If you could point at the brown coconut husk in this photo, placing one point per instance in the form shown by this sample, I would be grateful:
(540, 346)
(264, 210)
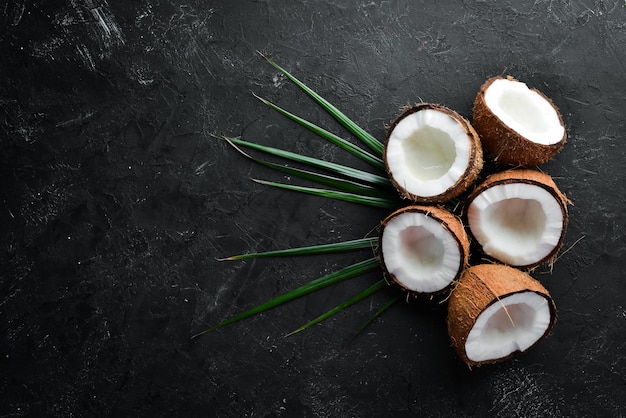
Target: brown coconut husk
(473, 168)
(450, 223)
(503, 144)
(529, 176)
(478, 288)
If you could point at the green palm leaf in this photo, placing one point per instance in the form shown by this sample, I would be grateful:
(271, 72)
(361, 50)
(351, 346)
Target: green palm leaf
(345, 273)
(379, 202)
(379, 312)
(360, 133)
(323, 179)
(329, 136)
(338, 247)
(334, 182)
(362, 295)
(376, 192)
(352, 173)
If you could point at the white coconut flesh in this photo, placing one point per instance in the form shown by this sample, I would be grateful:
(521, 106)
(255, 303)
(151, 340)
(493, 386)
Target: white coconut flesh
(427, 152)
(420, 253)
(525, 111)
(517, 223)
(510, 324)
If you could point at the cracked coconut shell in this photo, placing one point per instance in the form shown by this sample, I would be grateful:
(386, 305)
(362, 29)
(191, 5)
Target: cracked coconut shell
(496, 311)
(518, 126)
(423, 249)
(432, 154)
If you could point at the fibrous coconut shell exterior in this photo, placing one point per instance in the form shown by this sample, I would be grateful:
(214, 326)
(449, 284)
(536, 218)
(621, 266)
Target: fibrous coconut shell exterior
(449, 222)
(471, 172)
(478, 288)
(529, 176)
(505, 145)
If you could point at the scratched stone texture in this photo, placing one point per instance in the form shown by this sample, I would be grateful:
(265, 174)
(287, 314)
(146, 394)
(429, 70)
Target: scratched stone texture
(116, 202)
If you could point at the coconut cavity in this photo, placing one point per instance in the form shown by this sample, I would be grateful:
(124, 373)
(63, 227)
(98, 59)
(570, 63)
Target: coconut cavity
(432, 153)
(514, 323)
(518, 126)
(495, 311)
(423, 249)
(518, 217)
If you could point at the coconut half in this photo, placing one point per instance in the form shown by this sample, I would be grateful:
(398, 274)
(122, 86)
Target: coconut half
(423, 249)
(432, 153)
(496, 311)
(518, 217)
(518, 126)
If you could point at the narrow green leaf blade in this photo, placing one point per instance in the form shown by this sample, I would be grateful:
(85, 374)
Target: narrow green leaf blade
(329, 136)
(359, 132)
(379, 202)
(323, 179)
(337, 247)
(345, 273)
(353, 173)
(362, 295)
(379, 312)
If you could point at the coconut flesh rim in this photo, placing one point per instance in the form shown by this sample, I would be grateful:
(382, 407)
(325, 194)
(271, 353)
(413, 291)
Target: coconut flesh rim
(512, 323)
(420, 253)
(525, 111)
(517, 223)
(427, 152)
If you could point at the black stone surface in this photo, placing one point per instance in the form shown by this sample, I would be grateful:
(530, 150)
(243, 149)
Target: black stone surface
(116, 201)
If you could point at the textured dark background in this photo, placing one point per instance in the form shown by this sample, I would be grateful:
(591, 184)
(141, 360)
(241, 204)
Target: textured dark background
(115, 202)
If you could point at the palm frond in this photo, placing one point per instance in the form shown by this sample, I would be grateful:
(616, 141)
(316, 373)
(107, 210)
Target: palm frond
(323, 179)
(333, 248)
(362, 295)
(349, 172)
(378, 202)
(329, 136)
(374, 144)
(379, 312)
(338, 276)
(352, 185)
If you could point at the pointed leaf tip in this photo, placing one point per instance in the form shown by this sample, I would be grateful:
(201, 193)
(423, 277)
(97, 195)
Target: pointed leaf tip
(357, 298)
(338, 276)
